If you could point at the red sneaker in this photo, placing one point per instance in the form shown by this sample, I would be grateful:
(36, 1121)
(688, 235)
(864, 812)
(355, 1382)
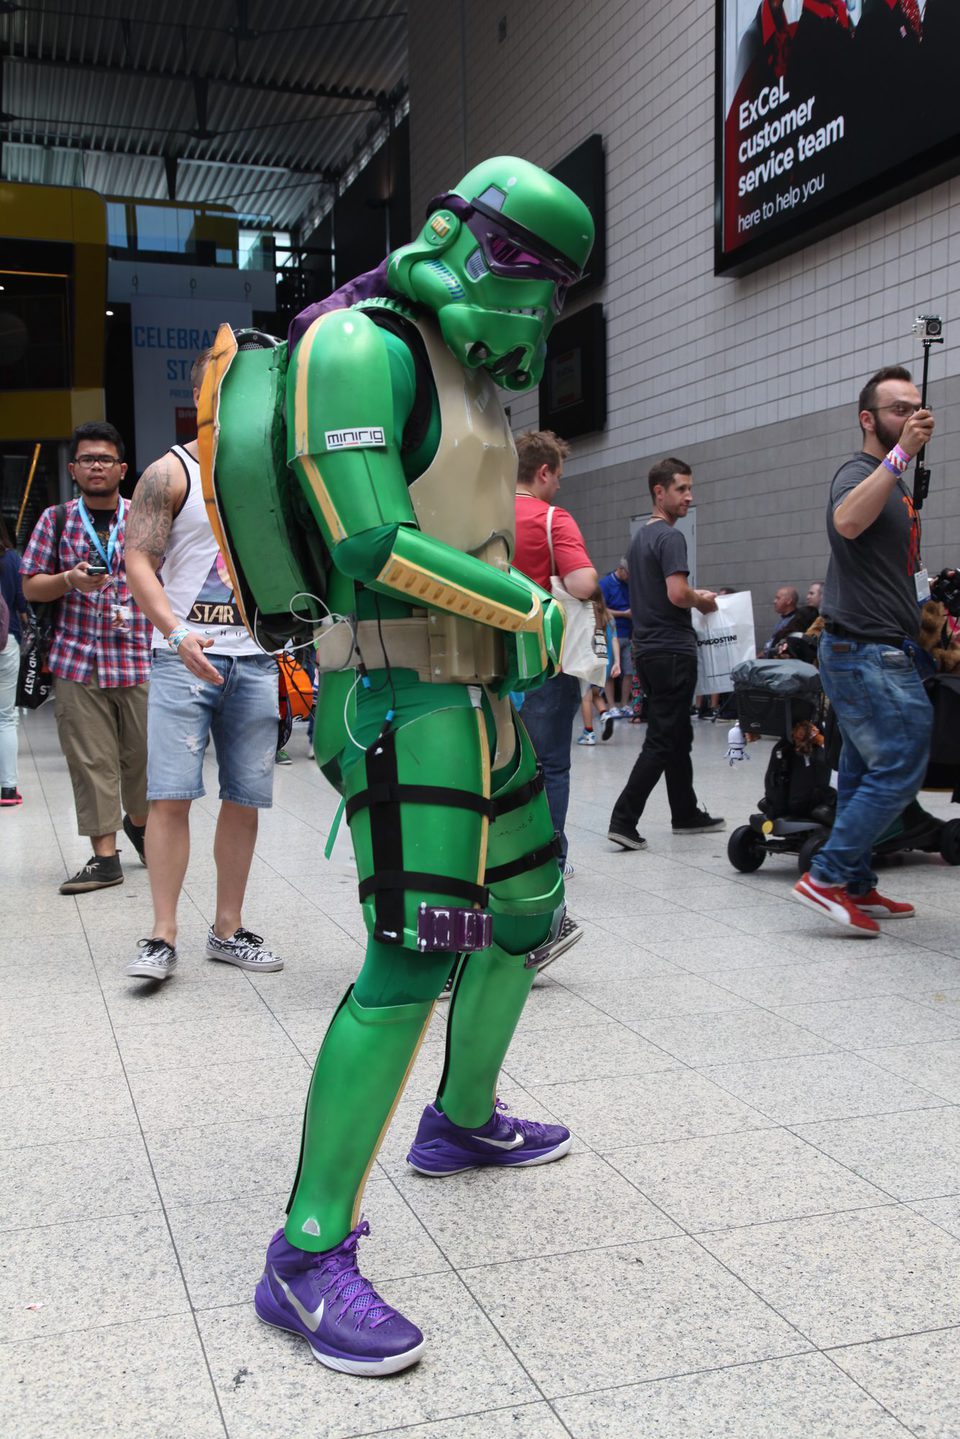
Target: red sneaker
(833, 901)
(876, 904)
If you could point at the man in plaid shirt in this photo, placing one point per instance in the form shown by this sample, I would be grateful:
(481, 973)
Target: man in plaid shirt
(100, 653)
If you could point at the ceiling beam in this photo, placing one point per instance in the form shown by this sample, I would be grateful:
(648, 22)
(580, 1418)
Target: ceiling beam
(12, 136)
(33, 55)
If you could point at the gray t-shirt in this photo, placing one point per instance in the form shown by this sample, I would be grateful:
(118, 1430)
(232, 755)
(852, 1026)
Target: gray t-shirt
(656, 551)
(870, 588)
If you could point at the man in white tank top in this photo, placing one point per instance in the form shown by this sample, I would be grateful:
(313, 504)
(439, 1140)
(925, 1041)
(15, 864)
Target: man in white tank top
(209, 678)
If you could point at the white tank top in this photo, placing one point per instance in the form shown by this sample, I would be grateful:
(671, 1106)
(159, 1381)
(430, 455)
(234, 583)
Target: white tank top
(195, 577)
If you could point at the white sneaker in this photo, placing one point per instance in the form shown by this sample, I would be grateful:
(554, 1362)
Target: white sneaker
(244, 950)
(588, 737)
(157, 960)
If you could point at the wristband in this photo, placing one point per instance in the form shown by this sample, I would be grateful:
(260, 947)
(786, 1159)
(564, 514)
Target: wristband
(67, 580)
(897, 460)
(177, 636)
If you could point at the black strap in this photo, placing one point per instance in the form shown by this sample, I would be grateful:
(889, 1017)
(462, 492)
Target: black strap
(396, 881)
(383, 794)
(533, 860)
(519, 796)
(386, 841)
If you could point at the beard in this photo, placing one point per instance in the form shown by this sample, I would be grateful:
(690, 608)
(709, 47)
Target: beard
(888, 435)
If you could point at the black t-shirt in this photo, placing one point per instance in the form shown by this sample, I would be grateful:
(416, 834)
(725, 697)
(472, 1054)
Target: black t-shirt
(658, 550)
(870, 588)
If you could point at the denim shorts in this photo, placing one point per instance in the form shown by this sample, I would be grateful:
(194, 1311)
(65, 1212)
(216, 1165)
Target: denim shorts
(241, 715)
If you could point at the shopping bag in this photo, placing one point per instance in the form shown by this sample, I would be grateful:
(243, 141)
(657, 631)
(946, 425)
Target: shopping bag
(724, 639)
(34, 682)
(577, 656)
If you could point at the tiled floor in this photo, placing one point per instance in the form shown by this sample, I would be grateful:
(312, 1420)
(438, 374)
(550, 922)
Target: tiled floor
(757, 1232)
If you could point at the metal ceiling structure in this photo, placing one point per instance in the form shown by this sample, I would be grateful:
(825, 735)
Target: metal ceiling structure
(264, 105)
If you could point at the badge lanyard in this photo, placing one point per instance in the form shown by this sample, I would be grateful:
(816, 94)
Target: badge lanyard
(115, 534)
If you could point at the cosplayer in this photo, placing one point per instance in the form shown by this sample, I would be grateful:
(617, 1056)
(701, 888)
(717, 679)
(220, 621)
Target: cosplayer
(383, 520)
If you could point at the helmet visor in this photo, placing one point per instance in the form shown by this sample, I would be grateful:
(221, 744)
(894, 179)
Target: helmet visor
(510, 251)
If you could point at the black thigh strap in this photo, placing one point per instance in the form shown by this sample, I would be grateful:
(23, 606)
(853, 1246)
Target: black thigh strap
(386, 840)
(533, 860)
(394, 794)
(519, 796)
(395, 881)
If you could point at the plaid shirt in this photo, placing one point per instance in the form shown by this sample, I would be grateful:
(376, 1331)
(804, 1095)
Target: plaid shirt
(83, 636)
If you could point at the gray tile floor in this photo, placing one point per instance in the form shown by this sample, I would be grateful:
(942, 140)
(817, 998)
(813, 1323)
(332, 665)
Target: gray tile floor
(757, 1231)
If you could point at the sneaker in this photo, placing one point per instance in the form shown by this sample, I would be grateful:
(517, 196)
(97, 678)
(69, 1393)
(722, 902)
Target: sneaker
(135, 834)
(244, 950)
(442, 1147)
(833, 901)
(282, 757)
(99, 872)
(157, 960)
(614, 713)
(882, 908)
(325, 1300)
(567, 936)
(606, 728)
(700, 823)
(625, 837)
(568, 870)
(588, 737)
(10, 795)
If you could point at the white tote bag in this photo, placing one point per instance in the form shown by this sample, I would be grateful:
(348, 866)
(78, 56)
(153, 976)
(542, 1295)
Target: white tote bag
(723, 640)
(578, 657)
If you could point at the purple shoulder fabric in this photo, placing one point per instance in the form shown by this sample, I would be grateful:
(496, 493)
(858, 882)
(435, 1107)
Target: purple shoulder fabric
(364, 287)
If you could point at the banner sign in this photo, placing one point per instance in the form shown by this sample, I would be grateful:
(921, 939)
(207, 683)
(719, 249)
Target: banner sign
(827, 109)
(168, 334)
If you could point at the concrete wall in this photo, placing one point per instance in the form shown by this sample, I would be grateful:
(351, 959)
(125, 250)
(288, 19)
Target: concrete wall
(753, 380)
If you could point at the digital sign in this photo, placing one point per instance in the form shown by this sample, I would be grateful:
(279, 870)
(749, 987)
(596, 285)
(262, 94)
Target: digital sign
(827, 110)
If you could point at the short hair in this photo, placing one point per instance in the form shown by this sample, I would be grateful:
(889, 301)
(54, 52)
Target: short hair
(199, 366)
(536, 448)
(96, 430)
(663, 471)
(789, 590)
(868, 394)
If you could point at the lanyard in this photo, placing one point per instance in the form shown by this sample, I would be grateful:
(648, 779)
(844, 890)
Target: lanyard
(115, 534)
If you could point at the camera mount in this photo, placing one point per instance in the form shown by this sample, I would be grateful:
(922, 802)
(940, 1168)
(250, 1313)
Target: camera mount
(930, 330)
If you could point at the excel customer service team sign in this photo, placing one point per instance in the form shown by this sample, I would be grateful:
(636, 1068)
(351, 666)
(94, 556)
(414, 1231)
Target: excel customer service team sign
(827, 110)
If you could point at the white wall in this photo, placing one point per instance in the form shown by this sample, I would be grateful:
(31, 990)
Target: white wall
(709, 368)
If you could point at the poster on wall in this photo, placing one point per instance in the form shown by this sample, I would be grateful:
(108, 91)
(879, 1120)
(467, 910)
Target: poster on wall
(827, 110)
(167, 335)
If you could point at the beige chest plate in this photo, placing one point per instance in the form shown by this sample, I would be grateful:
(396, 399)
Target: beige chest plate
(466, 495)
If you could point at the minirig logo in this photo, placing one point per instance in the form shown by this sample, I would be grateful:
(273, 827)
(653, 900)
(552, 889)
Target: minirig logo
(366, 438)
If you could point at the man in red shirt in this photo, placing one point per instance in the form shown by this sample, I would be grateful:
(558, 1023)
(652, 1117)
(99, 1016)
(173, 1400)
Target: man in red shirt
(100, 655)
(549, 711)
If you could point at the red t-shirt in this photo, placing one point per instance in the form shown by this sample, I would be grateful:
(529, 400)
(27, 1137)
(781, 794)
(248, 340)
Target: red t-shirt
(532, 553)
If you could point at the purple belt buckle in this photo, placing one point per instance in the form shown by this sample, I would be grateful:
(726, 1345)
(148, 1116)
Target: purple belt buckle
(457, 931)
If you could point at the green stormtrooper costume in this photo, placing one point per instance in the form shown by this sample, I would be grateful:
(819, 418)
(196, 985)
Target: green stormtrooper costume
(364, 486)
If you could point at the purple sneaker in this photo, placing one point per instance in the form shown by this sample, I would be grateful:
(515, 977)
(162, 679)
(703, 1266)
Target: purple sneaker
(326, 1300)
(442, 1147)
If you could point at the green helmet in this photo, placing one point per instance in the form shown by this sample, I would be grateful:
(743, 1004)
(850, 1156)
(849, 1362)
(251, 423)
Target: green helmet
(494, 261)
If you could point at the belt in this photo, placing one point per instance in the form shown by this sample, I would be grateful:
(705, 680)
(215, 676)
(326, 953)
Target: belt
(840, 632)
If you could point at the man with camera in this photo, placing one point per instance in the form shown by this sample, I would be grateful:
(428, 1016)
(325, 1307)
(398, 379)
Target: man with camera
(100, 655)
(871, 606)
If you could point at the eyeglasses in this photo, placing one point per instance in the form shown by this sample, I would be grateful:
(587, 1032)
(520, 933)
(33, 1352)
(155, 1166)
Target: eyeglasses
(902, 410)
(87, 462)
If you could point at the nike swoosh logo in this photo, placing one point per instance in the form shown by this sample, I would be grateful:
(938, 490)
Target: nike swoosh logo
(510, 1143)
(311, 1320)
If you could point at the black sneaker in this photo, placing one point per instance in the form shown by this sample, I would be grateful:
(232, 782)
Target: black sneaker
(606, 728)
(135, 834)
(99, 872)
(626, 838)
(157, 960)
(701, 823)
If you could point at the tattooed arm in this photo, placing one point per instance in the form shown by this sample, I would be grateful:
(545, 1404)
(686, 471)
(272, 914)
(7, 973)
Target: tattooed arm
(160, 490)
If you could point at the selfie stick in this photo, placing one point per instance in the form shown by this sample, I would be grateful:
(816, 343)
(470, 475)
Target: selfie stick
(921, 475)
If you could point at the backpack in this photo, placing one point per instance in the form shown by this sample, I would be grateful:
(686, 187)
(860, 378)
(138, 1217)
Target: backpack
(796, 785)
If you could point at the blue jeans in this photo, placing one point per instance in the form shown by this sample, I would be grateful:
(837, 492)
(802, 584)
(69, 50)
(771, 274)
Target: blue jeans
(241, 715)
(547, 715)
(886, 720)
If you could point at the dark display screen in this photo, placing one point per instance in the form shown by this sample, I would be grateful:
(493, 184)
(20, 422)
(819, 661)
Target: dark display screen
(827, 110)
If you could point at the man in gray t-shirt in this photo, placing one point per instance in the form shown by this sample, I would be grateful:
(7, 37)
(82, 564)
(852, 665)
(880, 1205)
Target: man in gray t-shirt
(875, 585)
(661, 599)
